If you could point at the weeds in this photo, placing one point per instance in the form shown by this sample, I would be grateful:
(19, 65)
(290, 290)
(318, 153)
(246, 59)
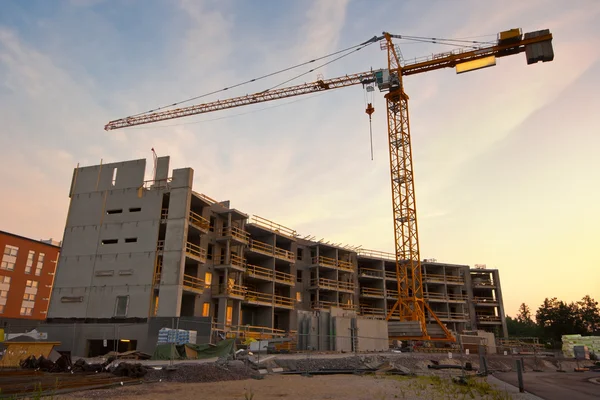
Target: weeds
(435, 387)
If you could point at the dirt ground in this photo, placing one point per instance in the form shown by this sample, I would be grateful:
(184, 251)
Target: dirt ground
(292, 387)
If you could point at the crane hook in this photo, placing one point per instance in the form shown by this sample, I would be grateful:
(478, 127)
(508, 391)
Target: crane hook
(370, 110)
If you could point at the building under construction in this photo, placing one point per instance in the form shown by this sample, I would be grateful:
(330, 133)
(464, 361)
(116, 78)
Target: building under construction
(137, 253)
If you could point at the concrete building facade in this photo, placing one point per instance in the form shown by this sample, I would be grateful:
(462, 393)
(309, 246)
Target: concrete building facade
(27, 272)
(136, 251)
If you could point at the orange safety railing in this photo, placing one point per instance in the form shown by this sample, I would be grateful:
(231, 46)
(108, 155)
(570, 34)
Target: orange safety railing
(332, 284)
(371, 272)
(284, 277)
(366, 291)
(193, 283)
(443, 278)
(229, 290)
(376, 254)
(198, 220)
(268, 298)
(390, 274)
(451, 315)
(332, 262)
(284, 301)
(235, 232)
(446, 297)
(234, 259)
(273, 226)
(259, 272)
(285, 254)
(487, 318)
(479, 282)
(345, 265)
(269, 274)
(260, 247)
(391, 293)
(195, 250)
(204, 197)
(369, 311)
(484, 300)
(249, 331)
(323, 304)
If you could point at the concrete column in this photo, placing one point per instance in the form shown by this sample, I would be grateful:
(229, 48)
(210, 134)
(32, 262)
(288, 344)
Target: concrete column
(171, 289)
(222, 315)
(500, 299)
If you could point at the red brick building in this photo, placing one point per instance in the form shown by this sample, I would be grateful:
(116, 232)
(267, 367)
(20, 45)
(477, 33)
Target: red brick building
(27, 271)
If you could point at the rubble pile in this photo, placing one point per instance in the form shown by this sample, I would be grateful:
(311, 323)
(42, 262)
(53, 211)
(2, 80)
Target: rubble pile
(209, 372)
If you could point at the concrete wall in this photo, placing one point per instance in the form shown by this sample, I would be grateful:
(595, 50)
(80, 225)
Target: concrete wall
(74, 337)
(92, 272)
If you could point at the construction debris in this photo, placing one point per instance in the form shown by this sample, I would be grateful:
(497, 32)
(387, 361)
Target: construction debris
(213, 372)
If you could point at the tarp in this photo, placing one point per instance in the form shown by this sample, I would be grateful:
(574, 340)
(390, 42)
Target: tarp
(221, 349)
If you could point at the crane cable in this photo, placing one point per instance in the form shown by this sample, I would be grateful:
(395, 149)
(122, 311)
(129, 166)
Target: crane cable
(355, 47)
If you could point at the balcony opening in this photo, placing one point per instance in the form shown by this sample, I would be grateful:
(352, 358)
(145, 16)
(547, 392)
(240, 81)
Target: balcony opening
(299, 254)
(299, 276)
(209, 252)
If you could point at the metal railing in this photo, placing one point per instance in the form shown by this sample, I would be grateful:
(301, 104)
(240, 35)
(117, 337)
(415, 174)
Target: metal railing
(373, 312)
(236, 233)
(194, 283)
(229, 290)
(269, 274)
(487, 318)
(204, 197)
(486, 300)
(443, 278)
(260, 247)
(234, 260)
(371, 292)
(376, 254)
(285, 254)
(450, 315)
(445, 297)
(390, 275)
(198, 220)
(333, 263)
(375, 273)
(325, 283)
(253, 296)
(195, 250)
(273, 226)
(324, 305)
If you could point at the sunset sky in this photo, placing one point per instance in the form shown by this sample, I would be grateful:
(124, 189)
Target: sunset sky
(506, 159)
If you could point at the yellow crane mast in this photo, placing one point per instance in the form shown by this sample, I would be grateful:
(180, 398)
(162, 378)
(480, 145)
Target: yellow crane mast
(411, 304)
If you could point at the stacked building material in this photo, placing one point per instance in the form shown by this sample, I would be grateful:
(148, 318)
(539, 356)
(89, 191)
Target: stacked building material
(177, 336)
(570, 341)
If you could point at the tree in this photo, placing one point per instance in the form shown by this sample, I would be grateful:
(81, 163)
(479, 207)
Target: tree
(524, 315)
(589, 314)
(558, 318)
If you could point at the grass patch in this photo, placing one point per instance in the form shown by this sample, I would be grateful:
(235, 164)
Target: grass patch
(435, 387)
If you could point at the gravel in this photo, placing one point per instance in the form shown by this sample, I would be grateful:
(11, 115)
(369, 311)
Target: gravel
(214, 372)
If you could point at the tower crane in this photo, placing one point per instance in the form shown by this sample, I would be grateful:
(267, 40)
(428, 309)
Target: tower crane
(411, 304)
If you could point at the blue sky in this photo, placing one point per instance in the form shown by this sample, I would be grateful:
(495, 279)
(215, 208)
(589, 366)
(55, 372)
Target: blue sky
(505, 158)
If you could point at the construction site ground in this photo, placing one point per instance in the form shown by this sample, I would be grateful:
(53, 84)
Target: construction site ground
(391, 376)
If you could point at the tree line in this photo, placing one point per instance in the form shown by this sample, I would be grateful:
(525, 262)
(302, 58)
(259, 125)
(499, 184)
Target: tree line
(555, 318)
